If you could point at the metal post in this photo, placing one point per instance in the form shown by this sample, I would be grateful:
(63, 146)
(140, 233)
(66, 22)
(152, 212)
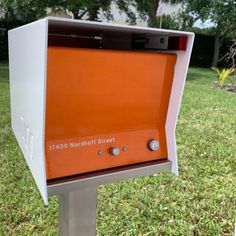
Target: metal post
(77, 213)
(160, 22)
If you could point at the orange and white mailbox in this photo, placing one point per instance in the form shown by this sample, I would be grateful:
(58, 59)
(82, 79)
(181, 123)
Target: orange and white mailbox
(94, 102)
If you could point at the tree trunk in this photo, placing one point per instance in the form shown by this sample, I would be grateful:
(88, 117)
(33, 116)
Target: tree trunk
(93, 14)
(151, 21)
(75, 14)
(152, 5)
(217, 45)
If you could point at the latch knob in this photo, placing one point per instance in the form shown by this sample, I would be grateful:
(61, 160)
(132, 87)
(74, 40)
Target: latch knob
(153, 145)
(114, 151)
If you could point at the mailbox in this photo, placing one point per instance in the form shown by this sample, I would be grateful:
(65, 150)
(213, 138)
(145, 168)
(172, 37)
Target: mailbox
(91, 99)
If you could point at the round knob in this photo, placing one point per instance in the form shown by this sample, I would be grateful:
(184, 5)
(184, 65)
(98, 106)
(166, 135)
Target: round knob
(153, 145)
(114, 151)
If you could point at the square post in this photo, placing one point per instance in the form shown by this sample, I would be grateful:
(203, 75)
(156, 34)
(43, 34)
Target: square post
(77, 213)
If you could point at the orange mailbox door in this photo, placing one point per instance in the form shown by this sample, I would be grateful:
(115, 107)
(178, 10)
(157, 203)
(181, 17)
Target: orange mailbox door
(99, 99)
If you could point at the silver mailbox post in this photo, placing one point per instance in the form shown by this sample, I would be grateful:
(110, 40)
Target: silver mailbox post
(77, 208)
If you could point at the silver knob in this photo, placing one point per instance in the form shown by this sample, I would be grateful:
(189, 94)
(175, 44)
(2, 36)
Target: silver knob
(114, 151)
(153, 145)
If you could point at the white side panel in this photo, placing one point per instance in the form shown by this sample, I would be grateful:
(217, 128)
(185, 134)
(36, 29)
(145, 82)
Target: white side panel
(181, 69)
(27, 60)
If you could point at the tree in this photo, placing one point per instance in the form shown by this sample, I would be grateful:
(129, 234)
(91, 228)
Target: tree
(168, 22)
(221, 14)
(19, 12)
(24, 10)
(29, 10)
(81, 8)
(148, 9)
(125, 5)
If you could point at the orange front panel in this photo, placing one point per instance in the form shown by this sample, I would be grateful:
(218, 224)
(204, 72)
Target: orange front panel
(93, 95)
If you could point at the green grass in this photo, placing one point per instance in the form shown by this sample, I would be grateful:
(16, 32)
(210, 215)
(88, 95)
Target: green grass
(201, 201)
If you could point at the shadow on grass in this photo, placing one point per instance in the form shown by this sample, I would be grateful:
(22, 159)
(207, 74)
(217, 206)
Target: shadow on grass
(4, 73)
(195, 73)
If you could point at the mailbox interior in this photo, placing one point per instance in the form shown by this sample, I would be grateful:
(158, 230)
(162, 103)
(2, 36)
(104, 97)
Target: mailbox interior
(103, 90)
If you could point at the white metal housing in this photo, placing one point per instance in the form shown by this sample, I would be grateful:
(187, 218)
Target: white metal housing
(28, 66)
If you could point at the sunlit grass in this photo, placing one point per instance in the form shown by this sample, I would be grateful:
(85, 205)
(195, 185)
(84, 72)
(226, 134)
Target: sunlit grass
(201, 201)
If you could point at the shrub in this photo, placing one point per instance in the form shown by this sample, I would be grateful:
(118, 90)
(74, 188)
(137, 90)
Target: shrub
(223, 75)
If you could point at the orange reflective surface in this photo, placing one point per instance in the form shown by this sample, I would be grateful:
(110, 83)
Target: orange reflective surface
(120, 97)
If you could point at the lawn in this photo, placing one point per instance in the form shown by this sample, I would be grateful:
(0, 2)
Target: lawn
(201, 201)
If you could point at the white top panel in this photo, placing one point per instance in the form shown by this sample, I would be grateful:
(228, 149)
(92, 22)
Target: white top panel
(56, 21)
(27, 61)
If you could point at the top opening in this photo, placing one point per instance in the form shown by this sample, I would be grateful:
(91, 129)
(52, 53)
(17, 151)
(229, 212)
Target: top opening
(98, 36)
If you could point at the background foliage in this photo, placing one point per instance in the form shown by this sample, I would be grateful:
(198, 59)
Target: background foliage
(203, 50)
(220, 15)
